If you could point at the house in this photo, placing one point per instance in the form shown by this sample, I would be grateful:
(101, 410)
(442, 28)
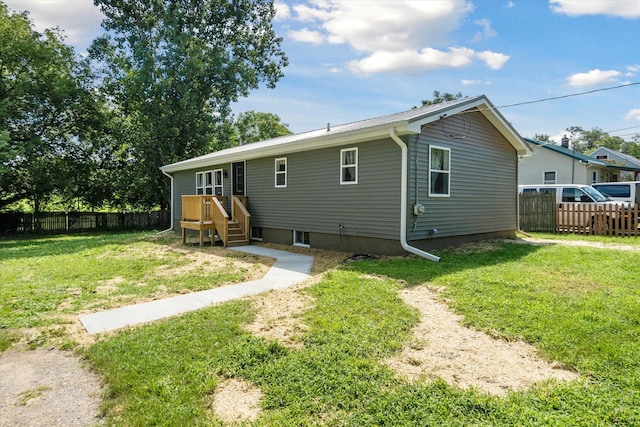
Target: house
(559, 164)
(406, 182)
(622, 160)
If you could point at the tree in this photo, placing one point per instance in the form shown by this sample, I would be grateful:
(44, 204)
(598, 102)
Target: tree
(44, 107)
(255, 126)
(172, 68)
(439, 98)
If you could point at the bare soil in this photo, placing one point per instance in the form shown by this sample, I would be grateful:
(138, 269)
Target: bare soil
(47, 388)
(54, 388)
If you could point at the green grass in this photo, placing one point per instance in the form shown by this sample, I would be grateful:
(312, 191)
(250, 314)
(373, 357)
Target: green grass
(582, 313)
(46, 280)
(577, 305)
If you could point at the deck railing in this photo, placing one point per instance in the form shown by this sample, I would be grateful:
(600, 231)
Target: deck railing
(240, 214)
(206, 212)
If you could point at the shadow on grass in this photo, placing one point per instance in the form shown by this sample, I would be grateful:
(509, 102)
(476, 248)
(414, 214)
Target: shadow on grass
(416, 271)
(40, 246)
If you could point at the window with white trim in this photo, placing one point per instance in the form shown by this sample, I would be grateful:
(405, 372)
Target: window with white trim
(218, 188)
(204, 182)
(549, 177)
(281, 172)
(300, 238)
(439, 171)
(349, 166)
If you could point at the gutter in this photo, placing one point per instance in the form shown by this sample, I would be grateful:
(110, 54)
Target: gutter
(170, 203)
(404, 200)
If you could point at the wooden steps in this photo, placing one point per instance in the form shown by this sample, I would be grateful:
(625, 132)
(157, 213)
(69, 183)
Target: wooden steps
(235, 236)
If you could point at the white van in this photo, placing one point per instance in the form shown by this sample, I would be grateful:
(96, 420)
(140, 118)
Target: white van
(624, 191)
(580, 197)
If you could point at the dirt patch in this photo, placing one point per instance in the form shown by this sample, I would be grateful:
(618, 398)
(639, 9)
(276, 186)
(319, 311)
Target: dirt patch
(278, 316)
(237, 401)
(442, 348)
(46, 388)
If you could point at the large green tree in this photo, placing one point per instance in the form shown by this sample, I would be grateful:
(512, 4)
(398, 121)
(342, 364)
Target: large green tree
(172, 68)
(253, 126)
(45, 108)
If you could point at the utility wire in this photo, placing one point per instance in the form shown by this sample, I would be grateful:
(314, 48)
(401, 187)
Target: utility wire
(557, 97)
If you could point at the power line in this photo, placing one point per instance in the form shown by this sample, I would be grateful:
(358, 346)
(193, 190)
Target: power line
(556, 97)
(570, 95)
(618, 130)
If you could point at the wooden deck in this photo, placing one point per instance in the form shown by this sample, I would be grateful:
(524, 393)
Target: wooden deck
(206, 214)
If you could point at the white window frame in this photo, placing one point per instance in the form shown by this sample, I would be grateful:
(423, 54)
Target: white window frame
(218, 182)
(546, 181)
(446, 171)
(277, 172)
(201, 182)
(296, 242)
(344, 166)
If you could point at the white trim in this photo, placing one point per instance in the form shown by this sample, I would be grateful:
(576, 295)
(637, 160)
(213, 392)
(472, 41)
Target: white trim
(295, 240)
(544, 178)
(446, 171)
(204, 186)
(344, 166)
(221, 185)
(279, 172)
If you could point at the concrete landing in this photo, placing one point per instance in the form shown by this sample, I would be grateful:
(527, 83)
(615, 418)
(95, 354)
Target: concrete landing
(289, 269)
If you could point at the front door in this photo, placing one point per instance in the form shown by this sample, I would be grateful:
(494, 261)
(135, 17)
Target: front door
(237, 176)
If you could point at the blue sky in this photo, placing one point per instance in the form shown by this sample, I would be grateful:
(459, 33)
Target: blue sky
(356, 59)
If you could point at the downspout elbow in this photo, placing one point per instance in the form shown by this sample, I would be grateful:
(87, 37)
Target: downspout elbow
(403, 202)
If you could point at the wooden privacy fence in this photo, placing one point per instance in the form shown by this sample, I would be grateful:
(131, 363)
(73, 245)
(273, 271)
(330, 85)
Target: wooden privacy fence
(65, 222)
(539, 212)
(601, 220)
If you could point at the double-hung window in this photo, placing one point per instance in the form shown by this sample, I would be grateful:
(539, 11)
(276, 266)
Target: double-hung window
(439, 171)
(281, 172)
(349, 166)
(209, 182)
(204, 182)
(217, 182)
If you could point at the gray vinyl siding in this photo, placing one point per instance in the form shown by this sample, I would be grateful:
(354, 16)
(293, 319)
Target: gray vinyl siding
(483, 187)
(184, 183)
(314, 200)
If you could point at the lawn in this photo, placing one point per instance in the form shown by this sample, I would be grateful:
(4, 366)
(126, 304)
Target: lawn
(579, 306)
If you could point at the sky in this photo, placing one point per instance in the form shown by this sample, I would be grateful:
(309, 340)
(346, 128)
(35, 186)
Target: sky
(351, 60)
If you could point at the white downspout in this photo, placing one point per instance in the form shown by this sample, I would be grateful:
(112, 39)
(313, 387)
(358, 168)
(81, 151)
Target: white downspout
(403, 201)
(170, 203)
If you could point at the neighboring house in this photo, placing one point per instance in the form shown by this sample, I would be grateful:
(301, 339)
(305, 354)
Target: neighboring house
(621, 160)
(411, 181)
(559, 164)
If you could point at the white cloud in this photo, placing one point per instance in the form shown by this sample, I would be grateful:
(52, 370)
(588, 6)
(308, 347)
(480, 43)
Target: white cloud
(494, 60)
(622, 8)
(78, 18)
(510, 5)
(633, 114)
(592, 78)
(282, 10)
(466, 82)
(394, 36)
(307, 36)
(409, 61)
(486, 33)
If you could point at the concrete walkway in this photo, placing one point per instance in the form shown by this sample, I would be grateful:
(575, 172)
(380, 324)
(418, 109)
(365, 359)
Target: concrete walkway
(289, 269)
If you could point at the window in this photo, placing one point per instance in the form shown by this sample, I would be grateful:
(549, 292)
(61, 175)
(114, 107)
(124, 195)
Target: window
(349, 166)
(549, 177)
(281, 172)
(217, 182)
(204, 182)
(594, 177)
(256, 233)
(439, 171)
(300, 238)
